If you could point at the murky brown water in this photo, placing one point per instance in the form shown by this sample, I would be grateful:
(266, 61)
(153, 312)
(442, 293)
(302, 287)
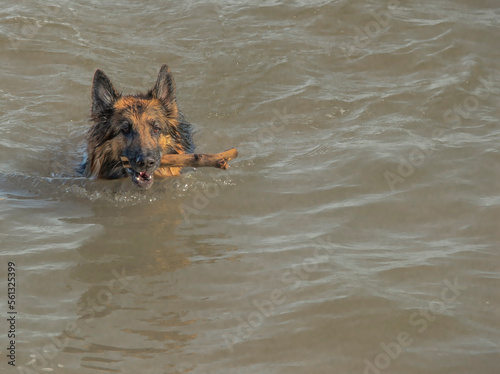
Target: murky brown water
(358, 231)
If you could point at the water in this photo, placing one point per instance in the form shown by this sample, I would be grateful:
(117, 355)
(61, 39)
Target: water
(356, 233)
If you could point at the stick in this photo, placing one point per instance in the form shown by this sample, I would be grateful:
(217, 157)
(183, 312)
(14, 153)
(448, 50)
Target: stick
(218, 160)
(196, 160)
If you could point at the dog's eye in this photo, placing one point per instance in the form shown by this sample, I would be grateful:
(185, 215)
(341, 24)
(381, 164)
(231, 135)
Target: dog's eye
(126, 126)
(156, 128)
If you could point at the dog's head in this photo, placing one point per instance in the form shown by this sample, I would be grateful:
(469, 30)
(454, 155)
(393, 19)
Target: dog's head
(137, 128)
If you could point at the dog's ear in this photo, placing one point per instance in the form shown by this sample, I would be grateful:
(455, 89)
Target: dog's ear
(164, 89)
(103, 93)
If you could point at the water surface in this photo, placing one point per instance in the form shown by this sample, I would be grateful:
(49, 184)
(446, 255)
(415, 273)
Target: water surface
(356, 233)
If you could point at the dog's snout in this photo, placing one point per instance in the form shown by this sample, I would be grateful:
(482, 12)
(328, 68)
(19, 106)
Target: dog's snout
(145, 161)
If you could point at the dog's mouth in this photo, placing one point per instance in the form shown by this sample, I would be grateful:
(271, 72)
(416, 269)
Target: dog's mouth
(142, 179)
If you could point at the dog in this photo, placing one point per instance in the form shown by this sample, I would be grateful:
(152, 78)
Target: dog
(140, 127)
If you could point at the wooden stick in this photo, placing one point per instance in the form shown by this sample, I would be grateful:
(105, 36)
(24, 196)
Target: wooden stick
(196, 160)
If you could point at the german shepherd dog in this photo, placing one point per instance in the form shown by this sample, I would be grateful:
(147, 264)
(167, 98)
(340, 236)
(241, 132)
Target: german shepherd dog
(140, 127)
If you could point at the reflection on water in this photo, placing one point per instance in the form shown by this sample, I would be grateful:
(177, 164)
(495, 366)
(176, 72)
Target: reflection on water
(357, 230)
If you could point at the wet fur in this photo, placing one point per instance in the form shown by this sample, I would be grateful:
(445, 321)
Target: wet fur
(140, 127)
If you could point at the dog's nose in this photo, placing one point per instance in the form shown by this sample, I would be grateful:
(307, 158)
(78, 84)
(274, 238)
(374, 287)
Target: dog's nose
(145, 161)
